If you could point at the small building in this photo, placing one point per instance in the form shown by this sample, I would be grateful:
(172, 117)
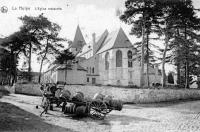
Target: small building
(68, 73)
(22, 76)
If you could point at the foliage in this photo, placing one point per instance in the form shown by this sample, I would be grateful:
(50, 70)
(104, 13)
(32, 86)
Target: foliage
(64, 56)
(143, 16)
(177, 22)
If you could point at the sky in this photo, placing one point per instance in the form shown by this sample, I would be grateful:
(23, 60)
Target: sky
(92, 16)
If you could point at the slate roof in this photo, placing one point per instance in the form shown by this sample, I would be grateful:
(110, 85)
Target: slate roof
(100, 41)
(116, 39)
(79, 40)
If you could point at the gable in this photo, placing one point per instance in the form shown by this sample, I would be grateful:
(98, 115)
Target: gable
(109, 42)
(116, 39)
(122, 40)
(79, 40)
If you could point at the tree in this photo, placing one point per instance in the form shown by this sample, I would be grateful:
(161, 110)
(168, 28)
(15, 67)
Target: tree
(64, 57)
(184, 44)
(14, 44)
(34, 27)
(51, 44)
(5, 66)
(143, 15)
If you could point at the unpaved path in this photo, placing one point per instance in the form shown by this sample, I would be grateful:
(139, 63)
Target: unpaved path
(166, 117)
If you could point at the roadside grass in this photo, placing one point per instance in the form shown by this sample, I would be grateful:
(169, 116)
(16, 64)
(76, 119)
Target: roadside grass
(15, 119)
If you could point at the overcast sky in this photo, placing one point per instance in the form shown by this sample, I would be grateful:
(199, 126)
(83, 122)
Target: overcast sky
(91, 15)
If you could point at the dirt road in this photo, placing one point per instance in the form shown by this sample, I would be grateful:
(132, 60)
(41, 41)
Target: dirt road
(166, 117)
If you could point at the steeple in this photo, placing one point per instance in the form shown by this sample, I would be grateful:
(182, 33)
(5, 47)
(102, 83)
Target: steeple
(79, 41)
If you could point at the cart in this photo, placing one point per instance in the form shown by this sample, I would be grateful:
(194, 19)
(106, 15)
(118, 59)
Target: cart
(95, 109)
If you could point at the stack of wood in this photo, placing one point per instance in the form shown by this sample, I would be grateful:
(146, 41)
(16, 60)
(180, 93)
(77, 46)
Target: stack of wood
(78, 96)
(70, 108)
(81, 110)
(88, 99)
(65, 94)
(108, 99)
(117, 104)
(98, 97)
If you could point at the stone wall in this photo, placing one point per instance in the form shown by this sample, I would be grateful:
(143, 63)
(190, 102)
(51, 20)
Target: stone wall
(128, 95)
(30, 89)
(11, 89)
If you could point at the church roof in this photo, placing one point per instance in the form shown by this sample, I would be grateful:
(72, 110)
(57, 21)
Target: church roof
(100, 41)
(116, 39)
(79, 40)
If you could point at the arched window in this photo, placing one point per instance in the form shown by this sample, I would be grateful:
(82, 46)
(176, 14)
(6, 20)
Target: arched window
(119, 58)
(93, 70)
(130, 55)
(107, 61)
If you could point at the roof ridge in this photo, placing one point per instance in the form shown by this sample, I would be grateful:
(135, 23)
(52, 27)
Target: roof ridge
(116, 36)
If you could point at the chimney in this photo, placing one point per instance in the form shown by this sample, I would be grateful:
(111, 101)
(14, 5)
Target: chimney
(94, 42)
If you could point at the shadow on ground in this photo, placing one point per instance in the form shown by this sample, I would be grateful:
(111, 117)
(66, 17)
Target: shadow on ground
(165, 104)
(123, 119)
(14, 119)
(3, 93)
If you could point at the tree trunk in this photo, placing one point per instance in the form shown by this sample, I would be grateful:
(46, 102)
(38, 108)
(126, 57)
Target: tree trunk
(40, 74)
(15, 70)
(163, 61)
(142, 60)
(29, 62)
(187, 63)
(147, 72)
(178, 64)
(41, 64)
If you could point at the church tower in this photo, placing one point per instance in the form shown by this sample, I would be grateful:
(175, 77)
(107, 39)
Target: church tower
(78, 42)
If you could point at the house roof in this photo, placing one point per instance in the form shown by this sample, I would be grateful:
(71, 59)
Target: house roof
(79, 67)
(21, 73)
(69, 67)
(64, 67)
(116, 39)
(79, 40)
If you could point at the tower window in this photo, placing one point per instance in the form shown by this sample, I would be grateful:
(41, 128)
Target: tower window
(93, 70)
(130, 55)
(119, 58)
(106, 61)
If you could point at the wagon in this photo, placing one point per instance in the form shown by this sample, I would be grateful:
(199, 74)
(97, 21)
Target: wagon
(96, 109)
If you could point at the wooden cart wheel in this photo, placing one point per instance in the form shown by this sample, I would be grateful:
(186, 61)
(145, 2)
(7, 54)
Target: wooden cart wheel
(98, 110)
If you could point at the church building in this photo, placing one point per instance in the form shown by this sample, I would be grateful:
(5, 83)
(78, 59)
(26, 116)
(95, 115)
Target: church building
(110, 59)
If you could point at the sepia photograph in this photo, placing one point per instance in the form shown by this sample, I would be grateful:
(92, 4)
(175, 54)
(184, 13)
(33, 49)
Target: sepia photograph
(100, 66)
